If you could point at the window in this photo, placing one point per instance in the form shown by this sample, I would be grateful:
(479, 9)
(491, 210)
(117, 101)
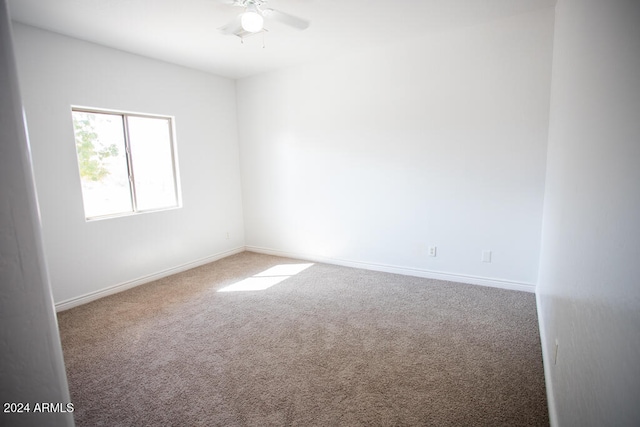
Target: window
(126, 161)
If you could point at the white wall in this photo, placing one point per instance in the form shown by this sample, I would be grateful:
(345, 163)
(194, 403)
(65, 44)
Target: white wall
(31, 365)
(57, 72)
(375, 157)
(589, 285)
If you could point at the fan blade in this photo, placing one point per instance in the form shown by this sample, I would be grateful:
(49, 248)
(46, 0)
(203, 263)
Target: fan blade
(285, 18)
(232, 27)
(230, 2)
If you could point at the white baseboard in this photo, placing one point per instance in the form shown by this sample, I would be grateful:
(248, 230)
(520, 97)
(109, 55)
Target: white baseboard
(547, 364)
(83, 299)
(406, 271)
(473, 280)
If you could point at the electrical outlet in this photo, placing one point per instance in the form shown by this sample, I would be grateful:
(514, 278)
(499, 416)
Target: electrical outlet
(433, 251)
(227, 235)
(486, 256)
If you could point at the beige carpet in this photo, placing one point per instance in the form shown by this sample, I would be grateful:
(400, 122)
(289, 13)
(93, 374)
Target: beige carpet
(328, 346)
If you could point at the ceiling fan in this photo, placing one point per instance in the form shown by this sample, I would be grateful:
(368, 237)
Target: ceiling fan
(251, 21)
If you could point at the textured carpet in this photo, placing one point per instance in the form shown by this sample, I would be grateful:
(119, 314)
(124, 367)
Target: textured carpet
(328, 346)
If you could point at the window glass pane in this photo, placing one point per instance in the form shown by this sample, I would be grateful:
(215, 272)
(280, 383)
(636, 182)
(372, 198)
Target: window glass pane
(102, 161)
(152, 159)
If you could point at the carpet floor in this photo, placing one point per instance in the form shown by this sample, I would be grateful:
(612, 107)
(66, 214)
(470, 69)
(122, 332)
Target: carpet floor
(258, 340)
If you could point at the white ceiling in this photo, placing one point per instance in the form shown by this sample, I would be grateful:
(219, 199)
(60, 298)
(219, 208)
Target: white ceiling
(185, 31)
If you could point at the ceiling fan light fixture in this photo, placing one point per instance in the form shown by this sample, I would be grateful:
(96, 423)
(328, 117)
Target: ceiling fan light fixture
(251, 20)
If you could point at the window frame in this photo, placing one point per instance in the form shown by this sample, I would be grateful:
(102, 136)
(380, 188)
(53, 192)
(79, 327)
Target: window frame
(129, 159)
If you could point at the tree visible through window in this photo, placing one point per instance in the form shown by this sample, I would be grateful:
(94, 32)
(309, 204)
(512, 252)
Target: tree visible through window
(126, 162)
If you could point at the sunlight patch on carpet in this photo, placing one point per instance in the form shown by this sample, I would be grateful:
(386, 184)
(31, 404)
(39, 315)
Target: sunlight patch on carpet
(267, 278)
